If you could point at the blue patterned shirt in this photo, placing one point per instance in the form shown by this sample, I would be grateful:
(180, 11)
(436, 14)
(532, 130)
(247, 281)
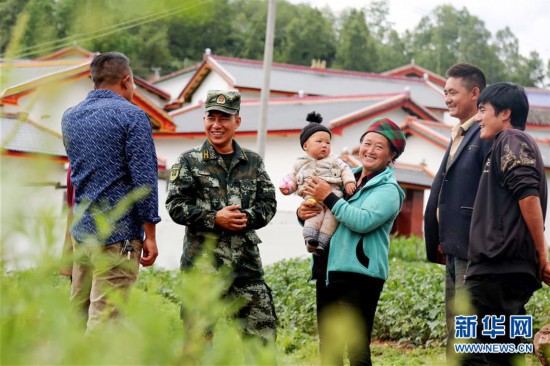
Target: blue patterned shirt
(110, 148)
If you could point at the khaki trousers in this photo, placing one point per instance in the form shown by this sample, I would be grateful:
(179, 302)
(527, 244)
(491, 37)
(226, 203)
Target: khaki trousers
(103, 274)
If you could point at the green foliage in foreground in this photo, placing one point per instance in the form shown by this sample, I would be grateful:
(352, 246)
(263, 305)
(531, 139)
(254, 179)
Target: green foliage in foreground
(37, 325)
(411, 309)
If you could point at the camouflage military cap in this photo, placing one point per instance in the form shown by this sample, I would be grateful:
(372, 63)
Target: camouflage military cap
(228, 101)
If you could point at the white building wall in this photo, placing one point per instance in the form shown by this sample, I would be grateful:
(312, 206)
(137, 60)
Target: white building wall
(157, 101)
(418, 151)
(33, 217)
(47, 105)
(174, 86)
(213, 81)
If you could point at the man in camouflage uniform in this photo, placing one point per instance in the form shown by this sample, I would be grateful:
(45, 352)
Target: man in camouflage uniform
(222, 193)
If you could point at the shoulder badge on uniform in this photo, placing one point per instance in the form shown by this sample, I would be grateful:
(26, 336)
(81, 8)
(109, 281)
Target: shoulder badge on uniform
(205, 154)
(175, 172)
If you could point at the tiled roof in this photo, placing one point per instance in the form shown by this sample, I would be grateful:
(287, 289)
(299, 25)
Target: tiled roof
(71, 52)
(539, 116)
(538, 97)
(287, 114)
(174, 83)
(416, 71)
(151, 88)
(314, 81)
(159, 118)
(18, 72)
(25, 136)
(292, 79)
(176, 74)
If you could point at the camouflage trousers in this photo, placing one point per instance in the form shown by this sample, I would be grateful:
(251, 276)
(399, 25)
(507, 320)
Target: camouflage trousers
(99, 273)
(257, 317)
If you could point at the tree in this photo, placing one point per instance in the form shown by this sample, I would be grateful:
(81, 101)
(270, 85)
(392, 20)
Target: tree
(390, 48)
(308, 36)
(377, 13)
(527, 71)
(190, 33)
(356, 48)
(39, 28)
(508, 49)
(535, 66)
(9, 12)
(448, 36)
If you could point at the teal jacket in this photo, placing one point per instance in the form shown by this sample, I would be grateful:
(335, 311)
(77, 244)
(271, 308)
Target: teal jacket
(361, 242)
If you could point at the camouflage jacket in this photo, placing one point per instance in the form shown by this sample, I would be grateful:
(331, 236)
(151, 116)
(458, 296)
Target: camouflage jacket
(201, 185)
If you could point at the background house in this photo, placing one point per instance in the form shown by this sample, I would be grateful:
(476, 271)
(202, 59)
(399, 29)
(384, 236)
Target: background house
(36, 92)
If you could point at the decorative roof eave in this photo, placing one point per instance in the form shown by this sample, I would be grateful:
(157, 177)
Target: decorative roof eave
(67, 51)
(186, 109)
(420, 111)
(21, 154)
(202, 71)
(179, 135)
(24, 117)
(209, 64)
(538, 127)
(539, 116)
(400, 100)
(7, 64)
(275, 65)
(417, 128)
(284, 93)
(215, 66)
(159, 118)
(11, 96)
(385, 105)
(150, 87)
(19, 90)
(212, 63)
(176, 74)
(418, 71)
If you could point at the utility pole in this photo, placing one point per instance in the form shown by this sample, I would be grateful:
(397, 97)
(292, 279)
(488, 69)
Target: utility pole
(268, 60)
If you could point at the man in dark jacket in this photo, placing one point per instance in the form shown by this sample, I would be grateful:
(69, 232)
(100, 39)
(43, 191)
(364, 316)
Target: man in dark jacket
(449, 209)
(508, 254)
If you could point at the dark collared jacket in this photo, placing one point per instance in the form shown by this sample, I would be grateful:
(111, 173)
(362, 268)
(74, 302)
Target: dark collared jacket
(454, 191)
(201, 185)
(501, 242)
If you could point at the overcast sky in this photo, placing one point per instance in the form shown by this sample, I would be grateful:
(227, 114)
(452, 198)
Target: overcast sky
(529, 20)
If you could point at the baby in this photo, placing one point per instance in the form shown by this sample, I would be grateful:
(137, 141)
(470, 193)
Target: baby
(315, 140)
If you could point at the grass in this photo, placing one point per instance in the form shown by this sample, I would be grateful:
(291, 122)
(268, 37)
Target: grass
(37, 325)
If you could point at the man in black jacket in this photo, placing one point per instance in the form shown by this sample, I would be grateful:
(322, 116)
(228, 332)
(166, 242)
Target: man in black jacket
(449, 209)
(508, 254)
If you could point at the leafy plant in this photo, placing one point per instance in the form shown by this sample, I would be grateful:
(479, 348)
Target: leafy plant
(408, 249)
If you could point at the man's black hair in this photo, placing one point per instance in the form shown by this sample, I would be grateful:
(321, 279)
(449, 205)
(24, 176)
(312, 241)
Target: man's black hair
(472, 76)
(109, 67)
(502, 96)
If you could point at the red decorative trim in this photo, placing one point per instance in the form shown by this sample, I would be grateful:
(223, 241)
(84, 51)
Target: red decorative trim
(176, 73)
(67, 51)
(418, 71)
(259, 63)
(196, 79)
(153, 89)
(163, 120)
(19, 154)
